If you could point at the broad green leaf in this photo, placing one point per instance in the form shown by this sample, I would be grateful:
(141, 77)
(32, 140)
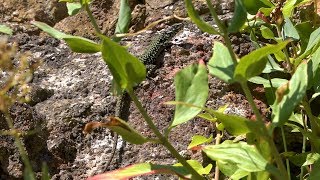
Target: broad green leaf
(266, 32)
(192, 88)
(73, 8)
(197, 140)
(221, 64)
(207, 116)
(311, 159)
(5, 29)
(82, 45)
(304, 29)
(286, 102)
(235, 125)
(198, 167)
(253, 64)
(120, 127)
(245, 157)
(276, 82)
(231, 170)
(272, 66)
(253, 6)
(314, 41)
(76, 43)
(239, 17)
(124, 18)
(288, 8)
(126, 69)
(195, 18)
(142, 169)
(298, 159)
(289, 31)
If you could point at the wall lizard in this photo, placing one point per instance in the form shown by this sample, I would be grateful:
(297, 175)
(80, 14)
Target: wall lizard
(148, 58)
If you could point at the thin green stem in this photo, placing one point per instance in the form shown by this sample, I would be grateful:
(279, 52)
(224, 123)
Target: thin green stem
(224, 31)
(20, 147)
(285, 150)
(162, 139)
(92, 19)
(304, 141)
(289, 66)
(264, 132)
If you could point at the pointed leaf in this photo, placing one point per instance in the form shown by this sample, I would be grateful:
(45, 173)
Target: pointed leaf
(197, 140)
(239, 17)
(253, 64)
(120, 127)
(202, 25)
(221, 64)
(76, 43)
(266, 32)
(246, 157)
(289, 30)
(124, 19)
(126, 69)
(235, 125)
(286, 102)
(288, 8)
(73, 8)
(191, 87)
(276, 82)
(141, 169)
(198, 167)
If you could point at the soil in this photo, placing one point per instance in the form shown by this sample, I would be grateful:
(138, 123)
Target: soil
(70, 89)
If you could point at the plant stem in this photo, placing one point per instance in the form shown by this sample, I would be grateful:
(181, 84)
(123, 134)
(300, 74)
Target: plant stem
(222, 28)
(218, 139)
(163, 140)
(92, 19)
(285, 150)
(264, 132)
(20, 147)
(304, 139)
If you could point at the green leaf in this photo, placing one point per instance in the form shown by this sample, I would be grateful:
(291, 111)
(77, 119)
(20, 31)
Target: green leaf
(288, 8)
(298, 159)
(314, 40)
(286, 102)
(192, 88)
(276, 82)
(85, 2)
(304, 29)
(239, 17)
(5, 29)
(235, 125)
(195, 18)
(221, 64)
(315, 173)
(124, 19)
(266, 32)
(311, 159)
(82, 45)
(272, 66)
(252, 6)
(231, 170)
(142, 169)
(198, 167)
(126, 69)
(76, 43)
(289, 31)
(73, 8)
(245, 157)
(120, 127)
(197, 140)
(253, 64)
(207, 116)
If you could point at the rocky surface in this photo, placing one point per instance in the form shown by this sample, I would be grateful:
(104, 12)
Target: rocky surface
(70, 90)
